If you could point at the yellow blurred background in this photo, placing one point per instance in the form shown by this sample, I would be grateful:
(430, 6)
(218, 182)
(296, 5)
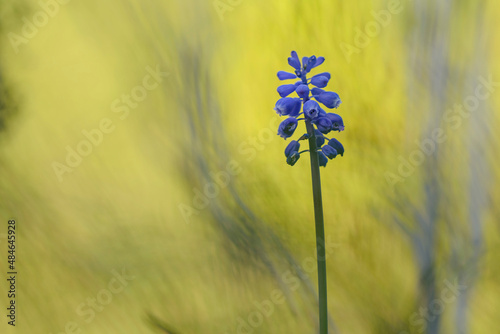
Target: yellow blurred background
(139, 158)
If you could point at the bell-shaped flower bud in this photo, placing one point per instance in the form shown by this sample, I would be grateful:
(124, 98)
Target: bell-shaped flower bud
(310, 63)
(329, 99)
(311, 109)
(319, 81)
(329, 151)
(302, 91)
(318, 62)
(323, 160)
(282, 75)
(292, 147)
(285, 90)
(316, 91)
(320, 139)
(323, 124)
(288, 106)
(287, 127)
(294, 61)
(337, 122)
(337, 146)
(324, 74)
(293, 158)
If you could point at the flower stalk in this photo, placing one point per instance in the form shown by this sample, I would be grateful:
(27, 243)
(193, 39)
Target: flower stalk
(320, 230)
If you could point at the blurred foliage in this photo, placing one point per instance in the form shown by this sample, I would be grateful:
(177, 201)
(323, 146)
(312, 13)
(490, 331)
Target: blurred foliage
(202, 271)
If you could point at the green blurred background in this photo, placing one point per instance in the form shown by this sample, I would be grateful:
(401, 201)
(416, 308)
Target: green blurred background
(411, 210)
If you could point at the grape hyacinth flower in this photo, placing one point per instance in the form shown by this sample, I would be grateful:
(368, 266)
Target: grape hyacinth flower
(287, 127)
(288, 106)
(310, 97)
(310, 94)
(329, 151)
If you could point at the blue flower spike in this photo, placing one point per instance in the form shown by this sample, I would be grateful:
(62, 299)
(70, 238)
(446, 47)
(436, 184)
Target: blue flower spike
(307, 107)
(305, 98)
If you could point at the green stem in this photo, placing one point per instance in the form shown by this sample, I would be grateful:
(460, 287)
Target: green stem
(320, 230)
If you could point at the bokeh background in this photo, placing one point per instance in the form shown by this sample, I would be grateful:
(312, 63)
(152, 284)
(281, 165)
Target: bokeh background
(188, 195)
